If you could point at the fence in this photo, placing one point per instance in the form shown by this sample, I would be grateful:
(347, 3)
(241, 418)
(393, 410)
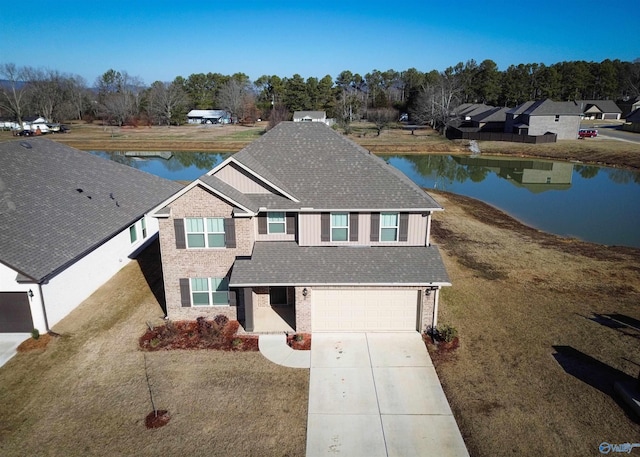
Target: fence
(456, 134)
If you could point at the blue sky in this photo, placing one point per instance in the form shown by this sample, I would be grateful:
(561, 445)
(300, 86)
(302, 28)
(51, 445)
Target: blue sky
(159, 40)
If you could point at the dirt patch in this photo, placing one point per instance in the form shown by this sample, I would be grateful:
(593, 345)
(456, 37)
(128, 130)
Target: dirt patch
(38, 345)
(157, 419)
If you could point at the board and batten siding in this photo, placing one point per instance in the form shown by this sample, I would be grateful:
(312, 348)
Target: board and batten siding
(241, 180)
(310, 231)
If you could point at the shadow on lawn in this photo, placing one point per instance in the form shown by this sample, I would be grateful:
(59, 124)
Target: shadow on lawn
(622, 323)
(150, 263)
(595, 373)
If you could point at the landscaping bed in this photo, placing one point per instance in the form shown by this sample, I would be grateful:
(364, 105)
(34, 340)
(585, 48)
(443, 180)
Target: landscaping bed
(299, 341)
(218, 333)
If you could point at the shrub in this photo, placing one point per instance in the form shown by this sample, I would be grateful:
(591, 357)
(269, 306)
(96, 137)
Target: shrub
(447, 332)
(298, 337)
(236, 342)
(221, 320)
(35, 333)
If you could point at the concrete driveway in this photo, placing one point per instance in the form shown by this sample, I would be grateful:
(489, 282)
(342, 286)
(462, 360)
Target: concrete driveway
(8, 344)
(377, 394)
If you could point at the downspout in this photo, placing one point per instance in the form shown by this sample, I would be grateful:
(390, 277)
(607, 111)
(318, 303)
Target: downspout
(436, 296)
(44, 308)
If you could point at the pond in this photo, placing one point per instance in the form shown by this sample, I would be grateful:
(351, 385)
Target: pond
(592, 203)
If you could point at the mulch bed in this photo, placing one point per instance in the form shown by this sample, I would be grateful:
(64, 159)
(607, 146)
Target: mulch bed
(39, 344)
(156, 419)
(440, 351)
(218, 333)
(299, 341)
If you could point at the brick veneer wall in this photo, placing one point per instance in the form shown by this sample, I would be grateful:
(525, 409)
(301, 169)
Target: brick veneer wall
(199, 263)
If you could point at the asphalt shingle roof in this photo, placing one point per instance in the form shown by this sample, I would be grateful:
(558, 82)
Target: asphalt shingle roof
(58, 203)
(547, 107)
(286, 263)
(326, 171)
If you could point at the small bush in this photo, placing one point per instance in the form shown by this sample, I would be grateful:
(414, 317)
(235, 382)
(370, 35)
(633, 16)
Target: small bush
(447, 332)
(35, 333)
(298, 337)
(221, 320)
(236, 342)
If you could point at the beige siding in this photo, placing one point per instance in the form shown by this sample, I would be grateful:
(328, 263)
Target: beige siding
(238, 178)
(193, 263)
(309, 235)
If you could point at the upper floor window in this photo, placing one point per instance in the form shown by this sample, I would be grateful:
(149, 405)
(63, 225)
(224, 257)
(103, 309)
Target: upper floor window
(209, 291)
(339, 226)
(144, 227)
(133, 233)
(389, 226)
(276, 222)
(205, 232)
(557, 118)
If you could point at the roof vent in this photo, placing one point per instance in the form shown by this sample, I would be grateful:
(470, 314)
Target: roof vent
(25, 144)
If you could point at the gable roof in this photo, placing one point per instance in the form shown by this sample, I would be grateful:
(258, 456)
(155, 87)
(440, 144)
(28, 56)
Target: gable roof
(547, 107)
(604, 106)
(319, 115)
(207, 113)
(57, 204)
(492, 115)
(634, 116)
(324, 170)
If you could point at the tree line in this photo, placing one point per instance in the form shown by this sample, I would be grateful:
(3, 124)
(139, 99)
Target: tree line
(429, 97)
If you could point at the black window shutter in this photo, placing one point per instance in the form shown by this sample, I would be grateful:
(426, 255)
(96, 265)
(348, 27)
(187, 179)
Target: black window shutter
(185, 294)
(230, 233)
(353, 226)
(375, 226)
(262, 224)
(291, 224)
(232, 297)
(404, 227)
(181, 240)
(325, 227)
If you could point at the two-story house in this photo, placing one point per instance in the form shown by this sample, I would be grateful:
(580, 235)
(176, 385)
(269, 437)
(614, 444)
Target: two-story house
(302, 230)
(539, 117)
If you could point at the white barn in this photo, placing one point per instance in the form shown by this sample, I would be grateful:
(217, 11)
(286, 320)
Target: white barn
(68, 222)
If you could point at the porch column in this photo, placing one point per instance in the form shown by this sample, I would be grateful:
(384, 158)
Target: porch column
(248, 309)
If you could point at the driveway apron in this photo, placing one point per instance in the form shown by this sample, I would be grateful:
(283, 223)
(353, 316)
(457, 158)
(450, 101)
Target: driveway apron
(377, 394)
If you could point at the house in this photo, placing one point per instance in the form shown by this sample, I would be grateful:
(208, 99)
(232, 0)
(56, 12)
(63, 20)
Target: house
(302, 230)
(600, 109)
(208, 116)
(491, 120)
(309, 116)
(632, 122)
(68, 221)
(539, 117)
(628, 105)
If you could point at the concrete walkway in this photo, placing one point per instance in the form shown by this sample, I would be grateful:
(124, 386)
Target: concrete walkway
(276, 349)
(8, 344)
(377, 394)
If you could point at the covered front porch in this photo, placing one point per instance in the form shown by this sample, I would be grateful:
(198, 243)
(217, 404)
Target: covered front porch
(269, 309)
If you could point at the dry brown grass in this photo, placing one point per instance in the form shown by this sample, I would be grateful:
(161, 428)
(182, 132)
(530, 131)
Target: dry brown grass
(86, 394)
(524, 301)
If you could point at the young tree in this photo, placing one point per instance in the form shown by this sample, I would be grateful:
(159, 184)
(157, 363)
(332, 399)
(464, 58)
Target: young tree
(382, 117)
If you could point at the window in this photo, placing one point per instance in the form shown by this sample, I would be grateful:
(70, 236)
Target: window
(276, 223)
(205, 232)
(389, 226)
(339, 226)
(133, 234)
(144, 227)
(209, 291)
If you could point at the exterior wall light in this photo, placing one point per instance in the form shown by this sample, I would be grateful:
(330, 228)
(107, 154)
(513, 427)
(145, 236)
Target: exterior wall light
(305, 292)
(30, 293)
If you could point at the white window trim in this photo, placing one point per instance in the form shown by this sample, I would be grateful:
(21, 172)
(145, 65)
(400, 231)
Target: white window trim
(205, 233)
(210, 293)
(283, 223)
(397, 227)
(331, 227)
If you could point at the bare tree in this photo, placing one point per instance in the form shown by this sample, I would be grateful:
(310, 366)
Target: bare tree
(166, 102)
(13, 90)
(233, 97)
(382, 118)
(437, 100)
(119, 96)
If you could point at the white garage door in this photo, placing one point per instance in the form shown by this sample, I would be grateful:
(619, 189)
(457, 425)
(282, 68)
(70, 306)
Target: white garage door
(364, 310)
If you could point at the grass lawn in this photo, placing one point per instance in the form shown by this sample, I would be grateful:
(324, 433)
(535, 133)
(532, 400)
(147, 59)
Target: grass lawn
(537, 359)
(86, 393)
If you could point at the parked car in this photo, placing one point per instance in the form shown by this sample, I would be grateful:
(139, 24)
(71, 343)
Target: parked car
(25, 133)
(587, 133)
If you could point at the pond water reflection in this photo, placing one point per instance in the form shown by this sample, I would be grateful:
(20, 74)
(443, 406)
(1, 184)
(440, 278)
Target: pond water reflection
(592, 203)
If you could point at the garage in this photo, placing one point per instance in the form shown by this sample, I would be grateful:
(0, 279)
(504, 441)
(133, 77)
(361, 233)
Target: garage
(349, 310)
(15, 313)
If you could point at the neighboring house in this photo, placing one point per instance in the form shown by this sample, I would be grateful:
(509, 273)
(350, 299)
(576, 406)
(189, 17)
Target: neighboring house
(309, 116)
(632, 122)
(304, 228)
(68, 221)
(491, 120)
(599, 109)
(539, 117)
(208, 116)
(628, 105)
